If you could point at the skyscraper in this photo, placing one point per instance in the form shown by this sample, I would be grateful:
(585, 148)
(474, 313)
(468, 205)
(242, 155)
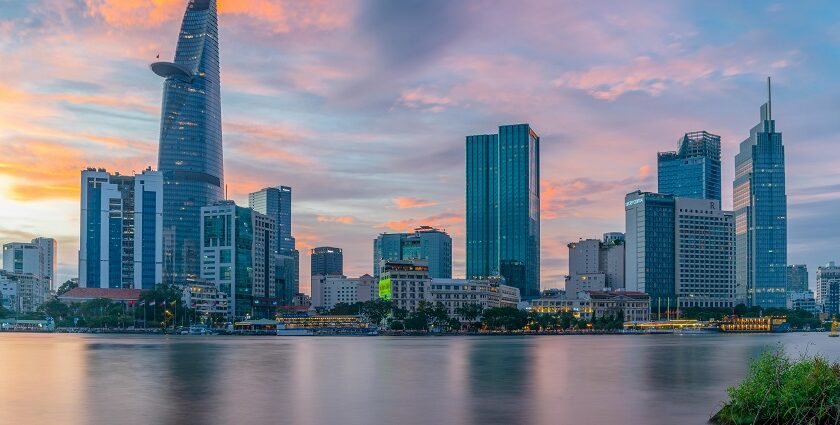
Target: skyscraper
(426, 243)
(326, 260)
(693, 171)
(797, 278)
(237, 247)
(121, 230)
(276, 202)
(49, 260)
(760, 207)
(649, 248)
(503, 207)
(190, 152)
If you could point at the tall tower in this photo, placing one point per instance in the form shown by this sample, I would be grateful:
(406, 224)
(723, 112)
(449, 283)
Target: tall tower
(503, 207)
(190, 152)
(760, 207)
(693, 171)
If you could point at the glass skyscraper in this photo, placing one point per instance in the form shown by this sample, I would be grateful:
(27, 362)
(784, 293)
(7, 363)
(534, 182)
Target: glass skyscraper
(503, 207)
(190, 153)
(425, 243)
(276, 202)
(693, 171)
(760, 207)
(650, 248)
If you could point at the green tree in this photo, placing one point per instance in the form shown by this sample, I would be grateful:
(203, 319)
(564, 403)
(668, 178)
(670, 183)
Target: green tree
(66, 286)
(471, 313)
(504, 318)
(5, 312)
(376, 310)
(345, 309)
(60, 312)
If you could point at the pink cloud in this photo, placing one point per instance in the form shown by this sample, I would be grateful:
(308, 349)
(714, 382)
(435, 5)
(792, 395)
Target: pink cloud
(345, 219)
(405, 203)
(422, 99)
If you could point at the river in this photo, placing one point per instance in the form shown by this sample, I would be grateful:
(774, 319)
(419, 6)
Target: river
(650, 379)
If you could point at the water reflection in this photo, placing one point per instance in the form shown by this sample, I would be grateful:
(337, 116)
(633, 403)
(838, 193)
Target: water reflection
(92, 379)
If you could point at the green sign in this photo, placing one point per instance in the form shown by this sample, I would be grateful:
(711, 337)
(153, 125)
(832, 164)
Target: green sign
(385, 288)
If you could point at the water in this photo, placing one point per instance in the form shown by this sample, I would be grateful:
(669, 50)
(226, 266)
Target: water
(655, 379)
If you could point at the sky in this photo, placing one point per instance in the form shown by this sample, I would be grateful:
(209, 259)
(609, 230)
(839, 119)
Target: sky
(362, 108)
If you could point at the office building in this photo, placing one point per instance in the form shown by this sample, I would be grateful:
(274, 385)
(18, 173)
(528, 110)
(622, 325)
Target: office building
(595, 265)
(22, 292)
(455, 293)
(705, 253)
(503, 207)
(404, 283)
(692, 171)
(828, 288)
(760, 207)
(797, 278)
(803, 300)
(649, 247)
(589, 305)
(237, 256)
(327, 260)
(327, 291)
(190, 151)
(121, 230)
(276, 202)
(425, 243)
(23, 257)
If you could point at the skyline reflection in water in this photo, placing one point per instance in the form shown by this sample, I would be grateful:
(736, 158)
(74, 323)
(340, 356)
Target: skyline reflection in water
(96, 379)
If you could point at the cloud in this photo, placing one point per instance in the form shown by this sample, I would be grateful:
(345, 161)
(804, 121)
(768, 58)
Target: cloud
(345, 219)
(448, 219)
(420, 98)
(404, 202)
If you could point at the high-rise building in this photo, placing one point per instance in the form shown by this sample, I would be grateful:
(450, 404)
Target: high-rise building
(760, 207)
(190, 152)
(797, 278)
(121, 230)
(828, 288)
(22, 257)
(692, 171)
(238, 247)
(21, 292)
(49, 260)
(503, 207)
(426, 243)
(326, 261)
(705, 253)
(276, 202)
(649, 248)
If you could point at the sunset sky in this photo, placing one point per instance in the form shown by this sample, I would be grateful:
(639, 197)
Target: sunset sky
(362, 108)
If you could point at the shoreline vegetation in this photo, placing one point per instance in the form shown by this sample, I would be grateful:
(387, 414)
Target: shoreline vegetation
(781, 390)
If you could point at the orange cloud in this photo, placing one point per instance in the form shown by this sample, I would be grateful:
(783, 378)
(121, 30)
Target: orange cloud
(345, 219)
(405, 203)
(440, 221)
(644, 170)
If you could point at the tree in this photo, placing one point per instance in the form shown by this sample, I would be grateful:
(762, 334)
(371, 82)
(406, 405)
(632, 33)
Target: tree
(376, 311)
(470, 312)
(66, 286)
(4, 312)
(344, 309)
(59, 312)
(504, 318)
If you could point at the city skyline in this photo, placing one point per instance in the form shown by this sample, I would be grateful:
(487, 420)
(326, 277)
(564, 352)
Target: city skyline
(317, 127)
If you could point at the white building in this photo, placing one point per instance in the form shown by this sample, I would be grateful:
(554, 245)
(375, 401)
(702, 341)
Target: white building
(803, 300)
(404, 283)
(121, 241)
(595, 265)
(49, 260)
(327, 291)
(705, 253)
(205, 298)
(634, 306)
(8, 293)
(29, 290)
(454, 293)
(828, 288)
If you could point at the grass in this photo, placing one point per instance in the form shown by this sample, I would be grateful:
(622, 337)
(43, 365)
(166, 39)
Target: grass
(779, 390)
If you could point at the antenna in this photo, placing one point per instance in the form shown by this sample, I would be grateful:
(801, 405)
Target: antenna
(769, 101)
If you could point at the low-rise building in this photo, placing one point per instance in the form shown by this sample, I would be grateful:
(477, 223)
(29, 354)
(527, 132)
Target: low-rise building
(404, 283)
(803, 300)
(8, 294)
(635, 306)
(828, 288)
(454, 293)
(327, 291)
(206, 299)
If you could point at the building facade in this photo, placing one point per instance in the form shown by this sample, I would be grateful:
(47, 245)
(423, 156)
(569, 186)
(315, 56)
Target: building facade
(237, 256)
(797, 278)
(23, 257)
(705, 253)
(803, 300)
(455, 293)
(23, 292)
(595, 265)
(404, 283)
(327, 291)
(190, 151)
(590, 305)
(503, 207)
(49, 261)
(425, 243)
(276, 202)
(121, 240)
(828, 288)
(649, 247)
(760, 205)
(326, 261)
(692, 171)
(206, 299)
